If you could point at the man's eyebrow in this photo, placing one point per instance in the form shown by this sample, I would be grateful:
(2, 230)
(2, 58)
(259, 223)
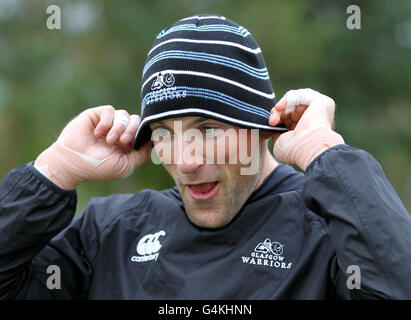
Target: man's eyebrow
(159, 124)
(199, 120)
(191, 123)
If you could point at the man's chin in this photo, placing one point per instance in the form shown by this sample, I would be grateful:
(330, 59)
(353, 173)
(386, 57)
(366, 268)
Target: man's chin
(211, 213)
(207, 218)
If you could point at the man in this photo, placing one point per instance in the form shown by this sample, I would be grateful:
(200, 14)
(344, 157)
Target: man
(229, 229)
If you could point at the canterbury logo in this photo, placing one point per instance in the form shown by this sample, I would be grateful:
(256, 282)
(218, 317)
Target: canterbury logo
(148, 247)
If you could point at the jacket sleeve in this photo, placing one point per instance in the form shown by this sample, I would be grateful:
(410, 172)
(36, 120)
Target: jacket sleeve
(33, 213)
(368, 225)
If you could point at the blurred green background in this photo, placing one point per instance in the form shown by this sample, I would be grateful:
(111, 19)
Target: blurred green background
(49, 76)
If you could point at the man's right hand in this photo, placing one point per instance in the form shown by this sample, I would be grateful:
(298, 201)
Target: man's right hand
(94, 146)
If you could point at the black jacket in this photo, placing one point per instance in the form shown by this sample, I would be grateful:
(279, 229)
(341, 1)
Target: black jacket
(295, 238)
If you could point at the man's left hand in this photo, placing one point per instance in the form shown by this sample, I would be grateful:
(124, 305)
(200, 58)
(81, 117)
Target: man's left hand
(309, 115)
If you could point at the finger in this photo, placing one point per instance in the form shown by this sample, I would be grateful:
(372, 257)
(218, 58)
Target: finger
(281, 104)
(299, 97)
(321, 110)
(102, 117)
(285, 108)
(131, 130)
(276, 114)
(120, 123)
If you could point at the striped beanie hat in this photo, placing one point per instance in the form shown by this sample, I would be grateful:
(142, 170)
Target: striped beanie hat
(207, 66)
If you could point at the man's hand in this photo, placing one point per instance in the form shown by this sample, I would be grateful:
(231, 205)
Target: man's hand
(96, 145)
(309, 115)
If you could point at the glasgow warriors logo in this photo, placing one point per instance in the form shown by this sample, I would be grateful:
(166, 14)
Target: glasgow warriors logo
(277, 248)
(268, 246)
(163, 90)
(268, 254)
(163, 80)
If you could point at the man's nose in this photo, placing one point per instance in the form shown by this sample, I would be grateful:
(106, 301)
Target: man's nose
(188, 157)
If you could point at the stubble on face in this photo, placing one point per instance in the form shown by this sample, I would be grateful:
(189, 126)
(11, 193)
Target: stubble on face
(235, 188)
(219, 211)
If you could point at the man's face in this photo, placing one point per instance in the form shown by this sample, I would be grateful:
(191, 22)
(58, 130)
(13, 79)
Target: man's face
(213, 193)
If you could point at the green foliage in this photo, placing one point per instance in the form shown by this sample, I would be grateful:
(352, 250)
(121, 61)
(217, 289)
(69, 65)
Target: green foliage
(49, 76)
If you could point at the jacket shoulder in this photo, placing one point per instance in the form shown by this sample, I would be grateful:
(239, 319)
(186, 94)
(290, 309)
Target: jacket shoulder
(106, 210)
(103, 210)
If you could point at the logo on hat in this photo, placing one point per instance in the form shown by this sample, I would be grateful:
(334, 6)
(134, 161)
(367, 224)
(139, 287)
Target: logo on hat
(163, 80)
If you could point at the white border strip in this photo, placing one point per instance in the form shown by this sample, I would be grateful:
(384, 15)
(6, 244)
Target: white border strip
(225, 43)
(208, 75)
(203, 18)
(206, 112)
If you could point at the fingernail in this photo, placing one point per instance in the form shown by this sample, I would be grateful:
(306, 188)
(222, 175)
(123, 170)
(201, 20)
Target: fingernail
(270, 119)
(126, 138)
(112, 137)
(98, 132)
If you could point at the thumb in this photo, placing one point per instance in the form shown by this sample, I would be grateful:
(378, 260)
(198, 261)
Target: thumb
(282, 147)
(140, 156)
(135, 159)
(302, 147)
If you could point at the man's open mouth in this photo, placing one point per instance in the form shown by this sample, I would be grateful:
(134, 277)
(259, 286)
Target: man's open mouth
(203, 191)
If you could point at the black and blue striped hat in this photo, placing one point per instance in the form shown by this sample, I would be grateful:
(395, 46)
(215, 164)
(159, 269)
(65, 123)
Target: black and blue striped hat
(207, 66)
